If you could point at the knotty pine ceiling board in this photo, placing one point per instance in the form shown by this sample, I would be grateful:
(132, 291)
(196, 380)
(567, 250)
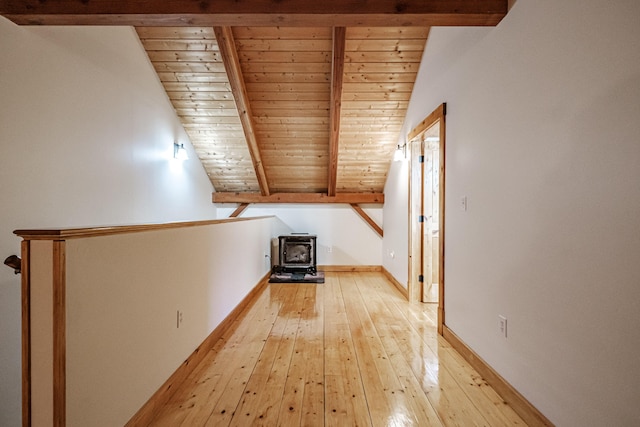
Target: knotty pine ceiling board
(287, 75)
(381, 65)
(187, 61)
(287, 72)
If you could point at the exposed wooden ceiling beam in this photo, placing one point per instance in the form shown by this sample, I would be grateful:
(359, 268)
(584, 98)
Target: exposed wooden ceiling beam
(256, 12)
(239, 210)
(337, 72)
(367, 219)
(229, 54)
(349, 198)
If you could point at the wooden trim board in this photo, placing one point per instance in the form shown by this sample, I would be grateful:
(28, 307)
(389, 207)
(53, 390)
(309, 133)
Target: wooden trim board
(367, 219)
(164, 393)
(428, 121)
(416, 181)
(26, 333)
(397, 284)
(74, 233)
(239, 210)
(337, 72)
(59, 335)
(354, 268)
(375, 198)
(442, 219)
(529, 413)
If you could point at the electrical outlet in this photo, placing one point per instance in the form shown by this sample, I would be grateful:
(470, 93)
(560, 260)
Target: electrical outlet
(502, 325)
(178, 318)
(329, 249)
(463, 203)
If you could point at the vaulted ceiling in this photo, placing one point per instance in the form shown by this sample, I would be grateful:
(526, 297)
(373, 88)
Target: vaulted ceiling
(260, 103)
(284, 101)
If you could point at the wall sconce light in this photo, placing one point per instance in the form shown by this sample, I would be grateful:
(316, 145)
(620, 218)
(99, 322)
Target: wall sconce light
(179, 152)
(400, 153)
(14, 262)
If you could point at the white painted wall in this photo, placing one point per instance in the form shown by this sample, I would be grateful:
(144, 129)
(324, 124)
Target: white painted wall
(123, 294)
(543, 138)
(86, 133)
(338, 227)
(395, 247)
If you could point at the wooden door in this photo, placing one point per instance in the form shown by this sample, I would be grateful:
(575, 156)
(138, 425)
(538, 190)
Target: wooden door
(426, 211)
(430, 213)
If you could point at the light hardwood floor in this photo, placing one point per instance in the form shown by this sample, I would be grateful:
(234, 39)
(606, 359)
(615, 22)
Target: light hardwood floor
(349, 352)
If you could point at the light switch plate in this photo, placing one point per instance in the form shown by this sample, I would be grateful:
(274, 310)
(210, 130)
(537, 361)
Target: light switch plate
(502, 324)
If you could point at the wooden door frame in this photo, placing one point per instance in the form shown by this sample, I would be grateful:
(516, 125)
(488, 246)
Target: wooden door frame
(415, 190)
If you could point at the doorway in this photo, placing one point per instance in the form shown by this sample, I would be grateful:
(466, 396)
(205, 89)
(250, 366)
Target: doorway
(430, 146)
(426, 238)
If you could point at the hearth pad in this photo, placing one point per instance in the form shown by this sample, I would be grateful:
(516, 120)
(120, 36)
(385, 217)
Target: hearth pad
(297, 277)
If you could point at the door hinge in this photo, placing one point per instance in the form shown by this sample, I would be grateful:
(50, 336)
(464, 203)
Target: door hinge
(421, 278)
(420, 159)
(421, 218)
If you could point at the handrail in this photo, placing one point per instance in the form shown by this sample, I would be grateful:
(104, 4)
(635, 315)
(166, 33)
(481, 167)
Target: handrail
(74, 233)
(14, 262)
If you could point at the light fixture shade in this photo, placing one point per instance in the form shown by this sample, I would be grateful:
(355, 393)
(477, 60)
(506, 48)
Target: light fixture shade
(400, 153)
(179, 152)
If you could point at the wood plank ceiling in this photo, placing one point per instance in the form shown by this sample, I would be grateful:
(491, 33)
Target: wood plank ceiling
(284, 101)
(288, 83)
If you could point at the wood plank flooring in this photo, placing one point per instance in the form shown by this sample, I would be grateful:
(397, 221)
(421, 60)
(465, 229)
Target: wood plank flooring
(349, 352)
